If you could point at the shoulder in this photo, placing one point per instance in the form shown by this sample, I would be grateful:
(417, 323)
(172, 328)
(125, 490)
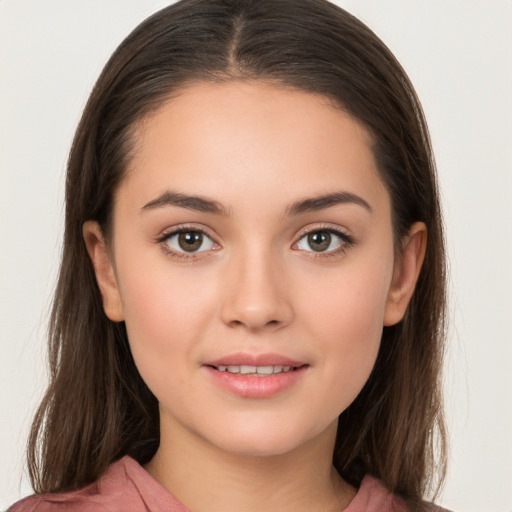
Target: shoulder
(373, 496)
(124, 486)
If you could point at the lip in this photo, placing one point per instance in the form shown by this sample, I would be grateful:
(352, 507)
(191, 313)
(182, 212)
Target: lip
(250, 386)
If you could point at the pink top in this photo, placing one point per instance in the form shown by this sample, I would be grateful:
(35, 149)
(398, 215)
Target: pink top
(128, 487)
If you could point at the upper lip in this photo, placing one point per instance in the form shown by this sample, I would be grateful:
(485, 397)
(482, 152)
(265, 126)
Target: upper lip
(240, 358)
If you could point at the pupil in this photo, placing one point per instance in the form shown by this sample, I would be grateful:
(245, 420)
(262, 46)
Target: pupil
(319, 241)
(190, 241)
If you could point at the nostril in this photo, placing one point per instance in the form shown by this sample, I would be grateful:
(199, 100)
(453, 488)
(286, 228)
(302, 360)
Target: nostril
(270, 324)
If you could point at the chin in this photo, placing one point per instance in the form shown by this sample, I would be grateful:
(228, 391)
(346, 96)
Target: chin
(267, 440)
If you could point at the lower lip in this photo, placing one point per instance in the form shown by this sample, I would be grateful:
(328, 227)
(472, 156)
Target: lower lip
(251, 386)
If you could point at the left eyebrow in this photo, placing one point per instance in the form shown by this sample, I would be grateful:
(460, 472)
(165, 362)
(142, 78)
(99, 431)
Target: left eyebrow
(314, 204)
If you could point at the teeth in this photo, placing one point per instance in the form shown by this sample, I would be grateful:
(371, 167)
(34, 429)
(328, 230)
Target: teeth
(254, 370)
(267, 370)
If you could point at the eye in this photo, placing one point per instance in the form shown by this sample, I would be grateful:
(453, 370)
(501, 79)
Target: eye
(189, 241)
(322, 241)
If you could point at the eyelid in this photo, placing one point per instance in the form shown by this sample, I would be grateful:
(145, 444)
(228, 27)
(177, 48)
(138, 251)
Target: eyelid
(332, 228)
(201, 228)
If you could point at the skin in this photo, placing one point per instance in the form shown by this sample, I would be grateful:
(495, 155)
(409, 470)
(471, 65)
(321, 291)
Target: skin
(258, 287)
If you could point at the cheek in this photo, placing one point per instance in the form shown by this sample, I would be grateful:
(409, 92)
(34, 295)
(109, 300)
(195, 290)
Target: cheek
(165, 314)
(345, 319)
(349, 302)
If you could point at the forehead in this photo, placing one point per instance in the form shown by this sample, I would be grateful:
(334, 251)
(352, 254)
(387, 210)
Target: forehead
(254, 139)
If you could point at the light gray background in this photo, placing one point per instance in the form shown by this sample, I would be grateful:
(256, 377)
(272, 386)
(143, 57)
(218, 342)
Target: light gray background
(457, 53)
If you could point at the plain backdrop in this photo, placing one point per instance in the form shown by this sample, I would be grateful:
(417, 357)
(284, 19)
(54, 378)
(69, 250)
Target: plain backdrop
(457, 53)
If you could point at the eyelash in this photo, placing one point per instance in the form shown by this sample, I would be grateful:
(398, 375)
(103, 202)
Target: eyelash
(178, 255)
(347, 242)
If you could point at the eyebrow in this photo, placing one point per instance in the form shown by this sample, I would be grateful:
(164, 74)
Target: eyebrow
(326, 201)
(197, 203)
(202, 204)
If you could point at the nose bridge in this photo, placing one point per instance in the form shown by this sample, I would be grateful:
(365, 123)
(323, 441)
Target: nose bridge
(256, 293)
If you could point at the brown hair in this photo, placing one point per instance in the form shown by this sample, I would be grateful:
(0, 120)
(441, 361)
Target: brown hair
(97, 408)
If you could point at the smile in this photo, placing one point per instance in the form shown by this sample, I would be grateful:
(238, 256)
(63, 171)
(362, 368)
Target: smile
(257, 371)
(255, 376)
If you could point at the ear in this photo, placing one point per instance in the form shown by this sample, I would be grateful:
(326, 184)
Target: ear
(104, 269)
(407, 269)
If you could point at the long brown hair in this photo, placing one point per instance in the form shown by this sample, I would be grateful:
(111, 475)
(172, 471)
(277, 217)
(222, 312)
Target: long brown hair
(97, 408)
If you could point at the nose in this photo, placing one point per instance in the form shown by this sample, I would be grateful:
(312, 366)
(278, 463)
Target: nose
(256, 294)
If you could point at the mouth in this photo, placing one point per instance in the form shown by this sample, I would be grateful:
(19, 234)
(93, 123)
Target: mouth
(256, 375)
(256, 371)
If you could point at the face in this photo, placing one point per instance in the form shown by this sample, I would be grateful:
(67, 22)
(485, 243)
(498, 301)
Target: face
(252, 260)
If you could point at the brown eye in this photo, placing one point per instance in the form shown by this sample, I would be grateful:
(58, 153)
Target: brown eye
(323, 240)
(189, 241)
(319, 241)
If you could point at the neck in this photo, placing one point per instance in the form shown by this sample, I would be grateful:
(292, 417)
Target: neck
(303, 479)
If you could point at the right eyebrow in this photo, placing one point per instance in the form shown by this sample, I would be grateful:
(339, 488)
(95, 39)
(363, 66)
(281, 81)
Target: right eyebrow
(197, 203)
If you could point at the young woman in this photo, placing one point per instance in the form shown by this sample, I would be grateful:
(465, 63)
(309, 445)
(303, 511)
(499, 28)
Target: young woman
(249, 314)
